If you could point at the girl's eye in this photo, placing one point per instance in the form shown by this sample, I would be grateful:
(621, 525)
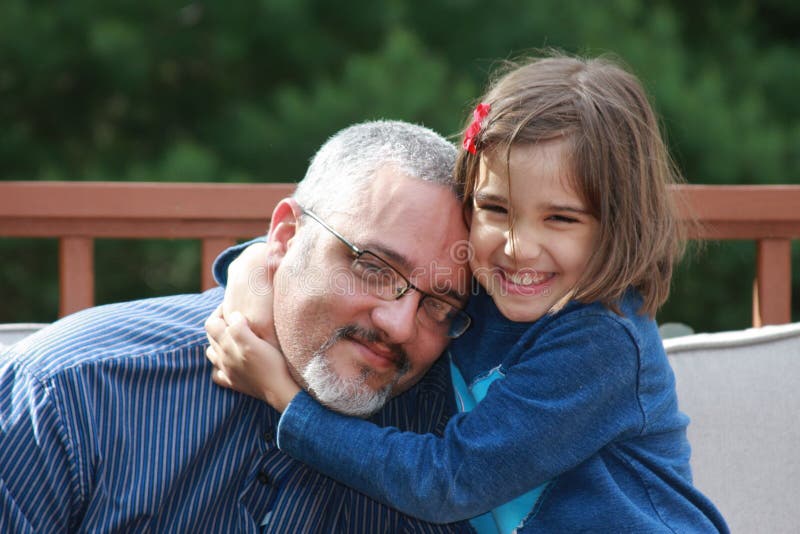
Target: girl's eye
(563, 219)
(496, 208)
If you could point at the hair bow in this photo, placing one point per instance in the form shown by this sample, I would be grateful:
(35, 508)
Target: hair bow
(480, 113)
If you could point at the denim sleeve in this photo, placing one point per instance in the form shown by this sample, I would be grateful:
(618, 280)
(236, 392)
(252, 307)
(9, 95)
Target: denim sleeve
(572, 392)
(38, 491)
(224, 260)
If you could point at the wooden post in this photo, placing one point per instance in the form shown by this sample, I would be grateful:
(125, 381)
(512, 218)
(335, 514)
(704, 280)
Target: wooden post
(76, 274)
(772, 298)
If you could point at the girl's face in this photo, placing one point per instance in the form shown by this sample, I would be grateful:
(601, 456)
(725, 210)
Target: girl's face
(533, 267)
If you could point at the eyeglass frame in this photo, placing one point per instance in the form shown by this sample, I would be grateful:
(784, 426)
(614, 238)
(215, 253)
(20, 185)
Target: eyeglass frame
(359, 252)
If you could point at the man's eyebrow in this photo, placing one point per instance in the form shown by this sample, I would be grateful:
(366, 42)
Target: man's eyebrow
(395, 259)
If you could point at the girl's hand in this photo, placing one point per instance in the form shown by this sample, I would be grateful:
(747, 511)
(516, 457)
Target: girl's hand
(249, 290)
(247, 364)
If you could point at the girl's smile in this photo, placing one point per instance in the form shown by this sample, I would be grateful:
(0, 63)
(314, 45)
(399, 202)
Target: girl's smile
(524, 282)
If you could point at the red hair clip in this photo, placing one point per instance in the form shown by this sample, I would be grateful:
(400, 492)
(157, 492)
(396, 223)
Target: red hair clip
(480, 113)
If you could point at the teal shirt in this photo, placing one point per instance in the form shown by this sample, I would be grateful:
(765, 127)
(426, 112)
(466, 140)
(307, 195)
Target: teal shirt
(506, 517)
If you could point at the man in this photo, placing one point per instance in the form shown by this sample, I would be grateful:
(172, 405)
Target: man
(109, 420)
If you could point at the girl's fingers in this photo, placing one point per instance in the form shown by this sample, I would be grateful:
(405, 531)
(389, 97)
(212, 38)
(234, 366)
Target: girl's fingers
(215, 324)
(221, 379)
(240, 332)
(211, 355)
(218, 350)
(221, 336)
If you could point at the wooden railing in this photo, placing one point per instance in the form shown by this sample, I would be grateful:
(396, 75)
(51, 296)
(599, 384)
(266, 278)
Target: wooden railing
(218, 214)
(768, 215)
(79, 212)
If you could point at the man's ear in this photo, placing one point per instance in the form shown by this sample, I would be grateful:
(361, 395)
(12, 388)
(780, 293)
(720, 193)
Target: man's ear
(283, 225)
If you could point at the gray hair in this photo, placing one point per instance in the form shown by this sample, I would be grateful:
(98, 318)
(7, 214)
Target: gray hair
(346, 164)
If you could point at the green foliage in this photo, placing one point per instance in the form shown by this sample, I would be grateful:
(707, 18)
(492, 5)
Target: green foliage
(246, 91)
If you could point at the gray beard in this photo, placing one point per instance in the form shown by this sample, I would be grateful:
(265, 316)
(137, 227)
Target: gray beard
(350, 396)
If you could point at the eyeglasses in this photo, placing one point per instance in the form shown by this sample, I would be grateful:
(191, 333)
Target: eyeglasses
(379, 278)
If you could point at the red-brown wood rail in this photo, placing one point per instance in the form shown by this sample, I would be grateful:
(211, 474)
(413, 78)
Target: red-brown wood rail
(766, 214)
(218, 214)
(79, 212)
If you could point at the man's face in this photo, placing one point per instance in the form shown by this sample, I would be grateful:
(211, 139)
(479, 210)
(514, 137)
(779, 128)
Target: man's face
(350, 348)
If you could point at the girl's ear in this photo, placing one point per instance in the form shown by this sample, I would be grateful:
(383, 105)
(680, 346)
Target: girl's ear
(283, 225)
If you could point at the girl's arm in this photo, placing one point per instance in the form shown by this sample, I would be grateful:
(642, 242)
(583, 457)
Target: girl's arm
(570, 394)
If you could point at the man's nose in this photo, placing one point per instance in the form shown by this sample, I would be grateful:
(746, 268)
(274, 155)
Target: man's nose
(397, 319)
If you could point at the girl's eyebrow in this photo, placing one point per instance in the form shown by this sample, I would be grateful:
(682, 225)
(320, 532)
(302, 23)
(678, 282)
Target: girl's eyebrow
(566, 207)
(489, 197)
(483, 196)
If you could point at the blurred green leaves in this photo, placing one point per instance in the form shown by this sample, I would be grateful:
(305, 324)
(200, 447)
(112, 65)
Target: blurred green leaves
(247, 90)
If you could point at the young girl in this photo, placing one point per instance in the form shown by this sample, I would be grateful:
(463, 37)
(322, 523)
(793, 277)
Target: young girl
(569, 414)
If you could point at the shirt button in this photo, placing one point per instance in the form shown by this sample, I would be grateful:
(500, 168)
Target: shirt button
(263, 477)
(268, 435)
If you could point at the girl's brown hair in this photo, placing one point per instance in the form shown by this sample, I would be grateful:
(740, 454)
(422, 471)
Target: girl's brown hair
(619, 164)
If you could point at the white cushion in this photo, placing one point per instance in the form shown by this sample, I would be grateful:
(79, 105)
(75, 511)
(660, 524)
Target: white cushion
(13, 332)
(741, 391)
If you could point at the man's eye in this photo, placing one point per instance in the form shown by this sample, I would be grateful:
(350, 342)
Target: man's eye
(437, 309)
(435, 304)
(368, 265)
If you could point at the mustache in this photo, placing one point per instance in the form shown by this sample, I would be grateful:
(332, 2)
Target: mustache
(358, 333)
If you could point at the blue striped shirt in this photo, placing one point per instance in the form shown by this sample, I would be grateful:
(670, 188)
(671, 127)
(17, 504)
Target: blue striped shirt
(109, 421)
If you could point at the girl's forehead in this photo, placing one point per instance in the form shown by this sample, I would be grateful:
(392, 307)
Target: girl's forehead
(546, 165)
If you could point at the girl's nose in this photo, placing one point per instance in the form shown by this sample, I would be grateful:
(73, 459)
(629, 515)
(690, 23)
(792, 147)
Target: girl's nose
(522, 245)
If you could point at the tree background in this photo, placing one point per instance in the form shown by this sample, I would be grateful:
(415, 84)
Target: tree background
(245, 91)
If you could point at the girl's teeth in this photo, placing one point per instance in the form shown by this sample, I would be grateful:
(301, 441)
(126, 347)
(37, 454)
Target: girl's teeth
(526, 279)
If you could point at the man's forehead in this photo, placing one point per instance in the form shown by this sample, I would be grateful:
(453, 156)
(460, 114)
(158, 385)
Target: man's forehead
(394, 201)
(391, 179)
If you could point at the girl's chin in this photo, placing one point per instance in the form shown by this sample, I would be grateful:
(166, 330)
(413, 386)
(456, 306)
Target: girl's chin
(519, 312)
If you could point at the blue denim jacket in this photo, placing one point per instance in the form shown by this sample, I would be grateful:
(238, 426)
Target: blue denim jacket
(584, 410)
